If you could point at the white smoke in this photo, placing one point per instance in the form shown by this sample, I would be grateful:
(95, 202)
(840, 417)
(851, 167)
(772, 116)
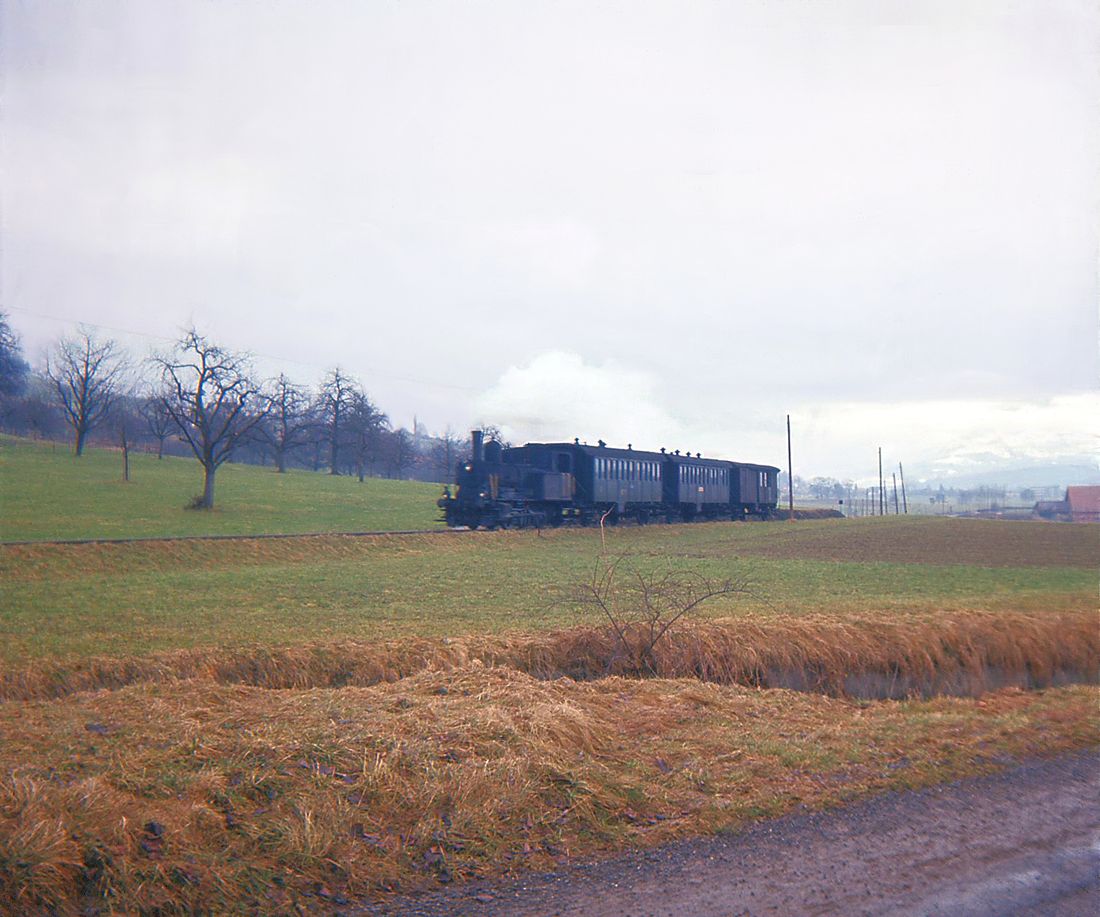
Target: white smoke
(557, 396)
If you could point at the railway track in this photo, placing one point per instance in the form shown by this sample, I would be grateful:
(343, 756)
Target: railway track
(154, 539)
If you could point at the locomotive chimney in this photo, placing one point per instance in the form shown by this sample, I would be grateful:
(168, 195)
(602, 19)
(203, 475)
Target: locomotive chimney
(478, 439)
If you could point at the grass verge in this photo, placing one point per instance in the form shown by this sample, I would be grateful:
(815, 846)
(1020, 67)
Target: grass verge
(203, 797)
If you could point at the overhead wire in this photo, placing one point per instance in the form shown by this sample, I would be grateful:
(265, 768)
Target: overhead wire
(430, 383)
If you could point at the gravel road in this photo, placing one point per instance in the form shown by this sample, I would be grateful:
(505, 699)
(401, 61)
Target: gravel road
(1024, 842)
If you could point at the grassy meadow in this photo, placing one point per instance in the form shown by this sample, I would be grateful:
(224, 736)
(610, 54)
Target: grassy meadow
(46, 493)
(121, 599)
(293, 725)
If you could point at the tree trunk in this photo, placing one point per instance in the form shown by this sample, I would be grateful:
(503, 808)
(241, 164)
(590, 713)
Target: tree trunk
(280, 462)
(208, 487)
(80, 434)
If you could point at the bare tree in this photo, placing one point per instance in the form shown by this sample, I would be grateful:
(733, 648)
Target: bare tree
(213, 400)
(402, 452)
(493, 432)
(88, 376)
(365, 425)
(158, 421)
(446, 450)
(337, 394)
(13, 368)
(289, 420)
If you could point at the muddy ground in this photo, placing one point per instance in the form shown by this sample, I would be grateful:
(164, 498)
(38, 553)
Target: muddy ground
(1023, 842)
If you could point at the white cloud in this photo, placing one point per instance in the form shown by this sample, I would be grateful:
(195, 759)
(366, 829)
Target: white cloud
(942, 437)
(558, 395)
(769, 207)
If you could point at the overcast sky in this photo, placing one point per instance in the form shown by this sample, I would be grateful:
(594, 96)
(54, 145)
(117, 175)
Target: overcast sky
(664, 223)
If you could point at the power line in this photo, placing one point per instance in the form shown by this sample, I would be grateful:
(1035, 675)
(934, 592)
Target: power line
(267, 356)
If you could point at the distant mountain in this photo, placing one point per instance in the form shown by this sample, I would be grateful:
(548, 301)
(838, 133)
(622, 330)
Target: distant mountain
(1060, 475)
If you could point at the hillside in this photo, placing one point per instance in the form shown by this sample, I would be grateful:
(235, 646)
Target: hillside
(47, 494)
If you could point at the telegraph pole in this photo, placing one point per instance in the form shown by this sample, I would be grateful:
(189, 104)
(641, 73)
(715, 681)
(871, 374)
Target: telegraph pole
(790, 475)
(881, 486)
(896, 510)
(904, 502)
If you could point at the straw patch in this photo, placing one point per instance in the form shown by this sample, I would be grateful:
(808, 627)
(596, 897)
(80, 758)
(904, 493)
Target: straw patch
(954, 652)
(185, 797)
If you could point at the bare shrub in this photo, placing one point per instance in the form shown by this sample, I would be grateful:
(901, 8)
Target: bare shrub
(639, 608)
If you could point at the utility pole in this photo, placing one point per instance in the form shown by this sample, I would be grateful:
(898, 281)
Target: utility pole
(790, 474)
(881, 486)
(904, 502)
(897, 512)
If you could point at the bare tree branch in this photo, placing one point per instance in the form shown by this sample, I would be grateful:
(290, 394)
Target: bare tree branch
(212, 398)
(641, 607)
(88, 376)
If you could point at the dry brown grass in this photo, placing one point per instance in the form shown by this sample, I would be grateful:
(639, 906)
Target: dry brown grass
(183, 797)
(961, 652)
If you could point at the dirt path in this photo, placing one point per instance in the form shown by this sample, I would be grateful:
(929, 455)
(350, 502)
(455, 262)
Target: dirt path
(1025, 842)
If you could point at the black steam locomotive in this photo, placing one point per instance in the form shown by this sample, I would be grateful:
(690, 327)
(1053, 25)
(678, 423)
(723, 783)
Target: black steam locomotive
(548, 484)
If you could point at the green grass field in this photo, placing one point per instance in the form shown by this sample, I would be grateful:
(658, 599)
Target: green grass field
(256, 764)
(81, 600)
(78, 600)
(46, 493)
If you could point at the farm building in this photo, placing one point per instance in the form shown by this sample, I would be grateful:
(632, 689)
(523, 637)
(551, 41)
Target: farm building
(1081, 504)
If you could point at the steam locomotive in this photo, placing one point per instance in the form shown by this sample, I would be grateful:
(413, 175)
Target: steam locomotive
(550, 484)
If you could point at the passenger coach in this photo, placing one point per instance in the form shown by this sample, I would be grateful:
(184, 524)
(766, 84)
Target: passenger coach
(541, 484)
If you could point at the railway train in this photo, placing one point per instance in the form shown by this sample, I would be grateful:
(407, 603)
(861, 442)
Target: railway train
(551, 484)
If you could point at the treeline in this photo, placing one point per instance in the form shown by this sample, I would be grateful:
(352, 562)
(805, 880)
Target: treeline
(198, 398)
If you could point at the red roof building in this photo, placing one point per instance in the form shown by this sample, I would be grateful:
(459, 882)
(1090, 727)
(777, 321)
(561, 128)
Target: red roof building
(1083, 503)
